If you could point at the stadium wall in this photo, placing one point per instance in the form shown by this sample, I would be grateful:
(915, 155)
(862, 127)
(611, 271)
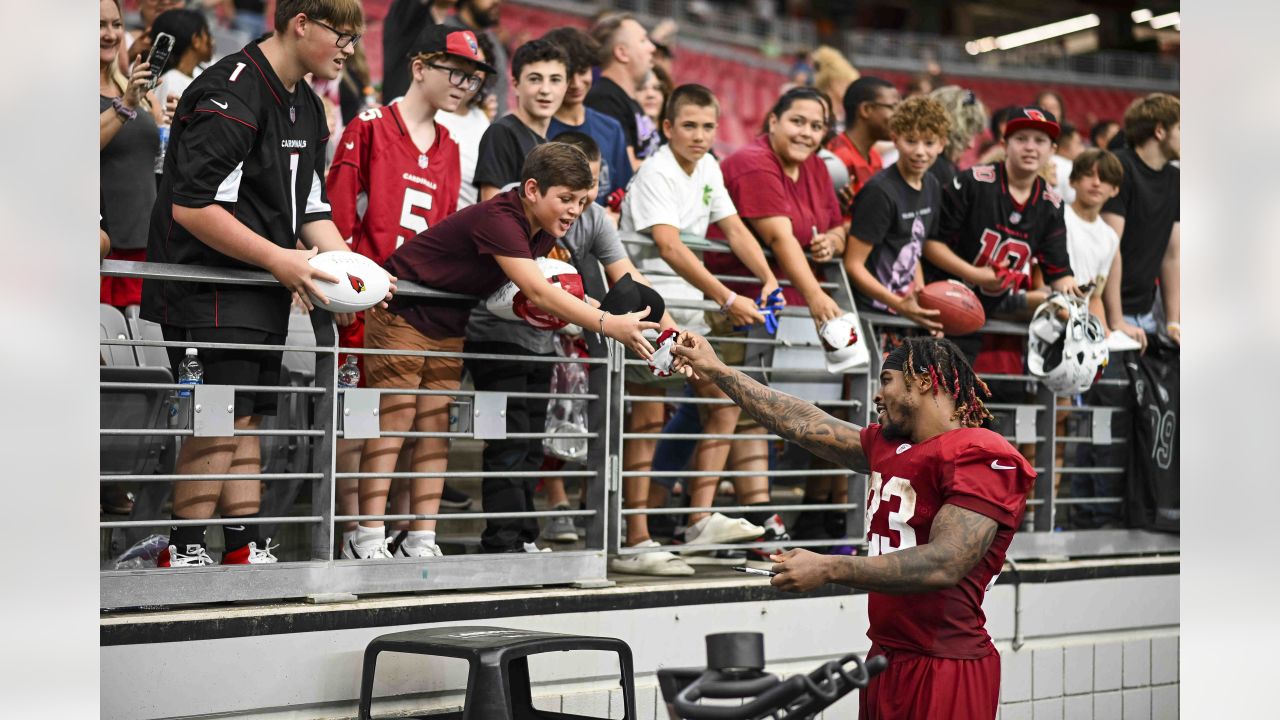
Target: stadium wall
(1094, 640)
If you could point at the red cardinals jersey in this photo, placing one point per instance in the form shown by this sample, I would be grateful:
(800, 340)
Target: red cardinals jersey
(384, 189)
(971, 468)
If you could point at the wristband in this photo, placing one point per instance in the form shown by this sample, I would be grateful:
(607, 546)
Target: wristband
(728, 303)
(125, 112)
(602, 314)
(1173, 326)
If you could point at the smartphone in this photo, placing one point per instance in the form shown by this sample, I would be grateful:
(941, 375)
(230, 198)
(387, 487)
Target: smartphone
(754, 571)
(161, 49)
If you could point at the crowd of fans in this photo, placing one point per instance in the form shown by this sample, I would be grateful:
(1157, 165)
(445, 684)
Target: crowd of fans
(442, 183)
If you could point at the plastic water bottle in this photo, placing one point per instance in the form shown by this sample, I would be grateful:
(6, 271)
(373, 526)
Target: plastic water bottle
(190, 372)
(349, 373)
(164, 146)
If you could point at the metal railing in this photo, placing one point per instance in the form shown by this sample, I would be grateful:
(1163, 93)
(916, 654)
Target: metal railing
(795, 367)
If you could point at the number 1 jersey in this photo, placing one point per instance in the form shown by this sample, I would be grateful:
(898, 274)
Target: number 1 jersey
(384, 189)
(971, 468)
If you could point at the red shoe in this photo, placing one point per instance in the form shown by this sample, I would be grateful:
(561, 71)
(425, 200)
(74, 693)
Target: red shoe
(251, 555)
(172, 557)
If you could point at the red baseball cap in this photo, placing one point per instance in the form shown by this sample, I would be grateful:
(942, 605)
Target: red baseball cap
(1033, 118)
(451, 41)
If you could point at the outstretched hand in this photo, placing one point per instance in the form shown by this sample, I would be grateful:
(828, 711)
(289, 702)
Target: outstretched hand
(694, 357)
(628, 329)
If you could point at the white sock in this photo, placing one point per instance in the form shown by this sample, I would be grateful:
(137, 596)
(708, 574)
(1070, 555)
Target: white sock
(696, 529)
(420, 538)
(366, 536)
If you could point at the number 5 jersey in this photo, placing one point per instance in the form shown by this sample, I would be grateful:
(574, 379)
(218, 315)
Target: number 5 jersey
(971, 468)
(384, 188)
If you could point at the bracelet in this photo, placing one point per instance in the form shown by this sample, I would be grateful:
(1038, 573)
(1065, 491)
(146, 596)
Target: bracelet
(1173, 325)
(125, 112)
(724, 309)
(602, 314)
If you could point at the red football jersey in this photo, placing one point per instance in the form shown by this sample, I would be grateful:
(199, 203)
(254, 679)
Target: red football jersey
(400, 189)
(972, 468)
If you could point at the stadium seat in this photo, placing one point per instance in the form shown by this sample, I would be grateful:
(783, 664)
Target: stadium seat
(132, 408)
(148, 355)
(498, 686)
(112, 326)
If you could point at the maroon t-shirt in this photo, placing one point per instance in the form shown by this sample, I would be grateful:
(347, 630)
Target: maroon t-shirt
(759, 189)
(971, 468)
(457, 255)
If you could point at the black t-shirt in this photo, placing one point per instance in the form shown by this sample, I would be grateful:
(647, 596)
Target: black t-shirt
(895, 219)
(404, 21)
(985, 226)
(943, 170)
(607, 97)
(239, 140)
(1148, 202)
(503, 148)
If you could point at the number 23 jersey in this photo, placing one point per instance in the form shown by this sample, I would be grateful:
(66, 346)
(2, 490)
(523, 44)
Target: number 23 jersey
(971, 468)
(385, 189)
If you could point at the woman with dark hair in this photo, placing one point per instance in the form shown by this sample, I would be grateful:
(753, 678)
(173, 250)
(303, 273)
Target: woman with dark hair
(784, 193)
(192, 47)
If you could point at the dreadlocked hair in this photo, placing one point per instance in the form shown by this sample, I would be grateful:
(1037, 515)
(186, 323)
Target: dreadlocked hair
(949, 372)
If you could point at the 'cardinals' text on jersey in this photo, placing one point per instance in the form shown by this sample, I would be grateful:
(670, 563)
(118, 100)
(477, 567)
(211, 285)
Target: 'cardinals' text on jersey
(985, 226)
(384, 189)
(971, 468)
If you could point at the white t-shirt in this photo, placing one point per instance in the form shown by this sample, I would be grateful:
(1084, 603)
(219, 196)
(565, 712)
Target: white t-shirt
(660, 193)
(1092, 247)
(173, 81)
(467, 130)
(1062, 170)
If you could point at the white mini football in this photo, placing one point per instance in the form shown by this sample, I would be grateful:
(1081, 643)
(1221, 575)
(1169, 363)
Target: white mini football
(361, 283)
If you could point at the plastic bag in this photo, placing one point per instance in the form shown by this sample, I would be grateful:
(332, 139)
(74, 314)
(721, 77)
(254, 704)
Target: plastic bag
(566, 415)
(143, 553)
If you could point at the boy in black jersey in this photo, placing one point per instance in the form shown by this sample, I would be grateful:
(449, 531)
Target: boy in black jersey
(997, 219)
(242, 185)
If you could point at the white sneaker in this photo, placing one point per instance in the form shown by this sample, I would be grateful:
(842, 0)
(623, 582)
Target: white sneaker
(252, 555)
(719, 529)
(194, 556)
(372, 551)
(418, 551)
(532, 548)
(660, 563)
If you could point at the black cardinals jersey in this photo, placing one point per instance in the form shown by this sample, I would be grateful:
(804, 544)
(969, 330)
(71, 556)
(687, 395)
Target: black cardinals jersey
(985, 226)
(240, 140)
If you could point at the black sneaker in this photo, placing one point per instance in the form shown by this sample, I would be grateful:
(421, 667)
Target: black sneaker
(454, 499)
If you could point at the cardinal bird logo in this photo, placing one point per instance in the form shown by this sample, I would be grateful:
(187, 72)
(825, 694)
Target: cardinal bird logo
(356, 283)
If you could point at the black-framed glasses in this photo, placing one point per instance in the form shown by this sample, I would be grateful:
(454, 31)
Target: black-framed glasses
(460, 78)
(344, 39)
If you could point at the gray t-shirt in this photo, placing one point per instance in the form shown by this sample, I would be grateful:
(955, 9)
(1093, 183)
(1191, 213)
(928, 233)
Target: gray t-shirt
(126, 168)
(591, 239)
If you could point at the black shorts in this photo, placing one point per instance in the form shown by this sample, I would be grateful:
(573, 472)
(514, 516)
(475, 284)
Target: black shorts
(234, 367)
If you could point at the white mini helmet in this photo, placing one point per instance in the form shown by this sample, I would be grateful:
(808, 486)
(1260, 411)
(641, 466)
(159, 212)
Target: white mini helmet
(509, 303)
(1066, 355)
(842, 339)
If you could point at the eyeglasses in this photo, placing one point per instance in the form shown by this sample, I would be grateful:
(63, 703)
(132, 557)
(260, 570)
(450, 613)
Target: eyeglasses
(459, 78)
(344, 39)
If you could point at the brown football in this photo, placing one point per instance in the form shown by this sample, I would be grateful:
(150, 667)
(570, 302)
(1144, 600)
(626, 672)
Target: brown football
(960, 311)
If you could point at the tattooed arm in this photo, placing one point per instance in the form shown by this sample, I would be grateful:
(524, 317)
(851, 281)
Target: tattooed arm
(957, 542)
(789, 417)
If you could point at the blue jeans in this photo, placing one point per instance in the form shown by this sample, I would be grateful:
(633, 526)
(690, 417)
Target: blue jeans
(1146, 321)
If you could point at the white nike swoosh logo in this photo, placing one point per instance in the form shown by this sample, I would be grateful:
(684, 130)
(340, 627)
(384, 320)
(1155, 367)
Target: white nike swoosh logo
(350, 145)
(219, 104)
(995, 465)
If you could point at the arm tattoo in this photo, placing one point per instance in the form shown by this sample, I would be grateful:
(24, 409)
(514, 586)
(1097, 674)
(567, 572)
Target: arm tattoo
(796, 420)
(958, 540)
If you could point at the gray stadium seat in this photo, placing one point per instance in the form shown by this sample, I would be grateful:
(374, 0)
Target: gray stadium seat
(148, 356)
(132, 408)
(112, 326)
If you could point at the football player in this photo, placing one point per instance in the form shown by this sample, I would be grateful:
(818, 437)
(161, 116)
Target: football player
(944, 501)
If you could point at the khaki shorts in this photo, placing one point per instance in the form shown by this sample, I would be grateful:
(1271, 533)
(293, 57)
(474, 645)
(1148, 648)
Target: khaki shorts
(733, 354)
(386, 331)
